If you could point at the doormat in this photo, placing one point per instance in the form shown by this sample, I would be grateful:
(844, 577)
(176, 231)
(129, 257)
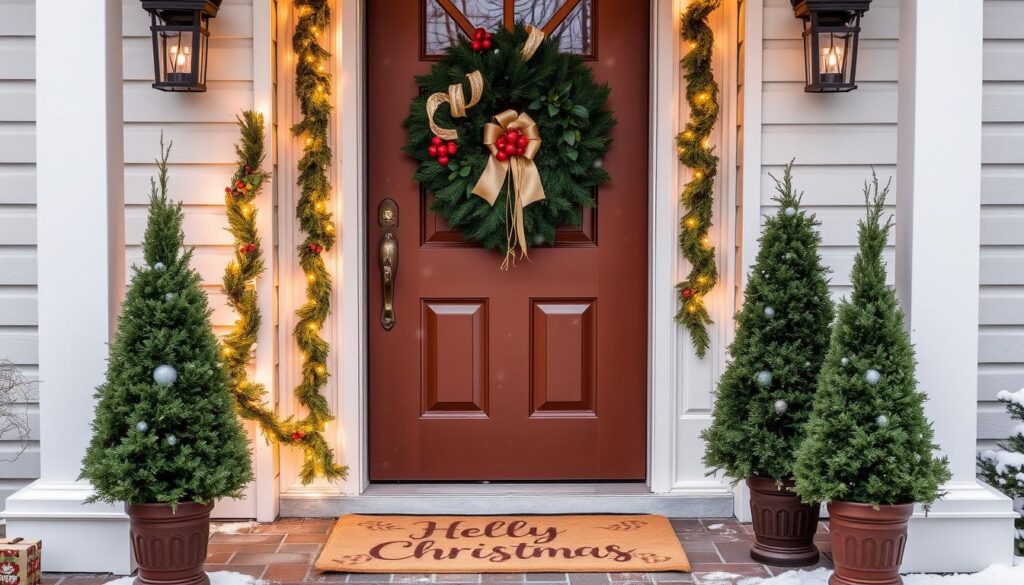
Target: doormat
(502, 544)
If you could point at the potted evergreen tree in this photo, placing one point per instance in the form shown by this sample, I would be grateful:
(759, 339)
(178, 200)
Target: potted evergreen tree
(166, 441)
(869, 450)
(764, 397)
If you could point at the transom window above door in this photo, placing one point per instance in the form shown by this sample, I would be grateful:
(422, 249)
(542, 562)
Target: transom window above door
(570, 20)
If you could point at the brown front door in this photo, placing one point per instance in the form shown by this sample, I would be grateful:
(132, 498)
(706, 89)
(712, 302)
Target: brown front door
(539, 373)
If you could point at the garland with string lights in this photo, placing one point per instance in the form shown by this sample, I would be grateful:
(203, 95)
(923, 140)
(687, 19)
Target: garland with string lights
(312, 87)
(697, 154)
(247, 265)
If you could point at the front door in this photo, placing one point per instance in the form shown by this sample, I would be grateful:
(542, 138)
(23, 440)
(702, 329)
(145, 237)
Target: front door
(538, 373)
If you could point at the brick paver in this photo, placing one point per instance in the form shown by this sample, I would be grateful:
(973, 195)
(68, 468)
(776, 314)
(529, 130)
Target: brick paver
(284, 552)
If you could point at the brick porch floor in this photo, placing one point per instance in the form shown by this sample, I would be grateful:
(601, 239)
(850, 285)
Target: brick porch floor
(284, 552)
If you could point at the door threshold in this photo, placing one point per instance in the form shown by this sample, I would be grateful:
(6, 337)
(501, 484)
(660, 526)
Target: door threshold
(510, 498)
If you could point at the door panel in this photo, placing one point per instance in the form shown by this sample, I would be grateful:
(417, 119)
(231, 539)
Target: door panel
(539, 373)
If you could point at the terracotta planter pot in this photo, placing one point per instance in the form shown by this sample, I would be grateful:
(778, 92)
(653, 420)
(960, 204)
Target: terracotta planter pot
(170, 547)
(784, 526)
(867, 544)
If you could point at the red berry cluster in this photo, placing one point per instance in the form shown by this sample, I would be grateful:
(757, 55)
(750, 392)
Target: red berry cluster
(441, 150)
(511, 143)
(247, 248)
(481, 40)
(316, 248)
(298, 436)
(687, 293)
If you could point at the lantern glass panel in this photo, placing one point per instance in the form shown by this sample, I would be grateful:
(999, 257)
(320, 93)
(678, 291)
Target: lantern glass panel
(177, 63)
(834, 51)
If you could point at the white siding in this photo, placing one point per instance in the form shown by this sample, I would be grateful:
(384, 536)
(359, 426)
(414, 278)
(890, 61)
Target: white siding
(18, 307)
(835, 139)
(1001, 341)
(202, 128)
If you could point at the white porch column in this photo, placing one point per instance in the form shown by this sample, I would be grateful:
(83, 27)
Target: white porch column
(80, 207)
(937, 262)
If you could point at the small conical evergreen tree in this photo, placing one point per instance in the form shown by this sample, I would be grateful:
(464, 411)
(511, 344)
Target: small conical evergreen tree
(868, 440)
(165, 429)
(1003, 468)
(764, 397)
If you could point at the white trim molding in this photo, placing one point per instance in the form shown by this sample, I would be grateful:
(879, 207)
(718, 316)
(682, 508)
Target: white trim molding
(938, 214)
(74, 336)
(680, 383)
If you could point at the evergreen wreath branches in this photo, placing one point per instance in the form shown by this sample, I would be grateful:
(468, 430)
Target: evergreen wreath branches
(557, 90)
(312, 87)
(696, 153)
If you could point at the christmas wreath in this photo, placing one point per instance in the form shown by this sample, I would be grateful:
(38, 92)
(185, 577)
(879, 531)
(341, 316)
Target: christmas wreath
(518, 150)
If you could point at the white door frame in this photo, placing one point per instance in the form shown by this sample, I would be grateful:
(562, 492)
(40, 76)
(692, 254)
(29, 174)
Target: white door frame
(679, 383)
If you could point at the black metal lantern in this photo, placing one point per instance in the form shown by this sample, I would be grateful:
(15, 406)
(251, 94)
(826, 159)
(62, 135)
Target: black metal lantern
(181, 36)
(831, 32)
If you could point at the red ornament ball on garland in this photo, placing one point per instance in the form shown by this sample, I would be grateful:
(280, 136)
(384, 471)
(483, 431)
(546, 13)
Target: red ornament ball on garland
(243, 249)
(443, 160)
(436, 141)
(251, 248)
(500, 155)
(482, 40)
(452, 148)
(476, 45)
(432, 151)
(298, 436)
(687, 293)
(316, 248)
(239, 185)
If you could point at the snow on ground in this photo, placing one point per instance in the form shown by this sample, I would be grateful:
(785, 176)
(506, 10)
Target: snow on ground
(218, 578)
(231, 527)
(994, 575)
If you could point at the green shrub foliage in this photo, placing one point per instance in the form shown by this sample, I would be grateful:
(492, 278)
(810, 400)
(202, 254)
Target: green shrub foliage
(180, 442)
(868, 440)
(1003, 468)
(764, 397)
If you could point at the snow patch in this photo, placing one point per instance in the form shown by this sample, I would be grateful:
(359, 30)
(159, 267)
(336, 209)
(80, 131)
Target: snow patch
(1004, 459)
(716, 526)
(218, 578)
(718, 577)
(994, 575)
(231, 527)
(1015, 397)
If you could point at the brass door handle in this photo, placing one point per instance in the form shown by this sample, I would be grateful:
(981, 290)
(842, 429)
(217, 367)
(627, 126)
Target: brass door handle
(388, 272)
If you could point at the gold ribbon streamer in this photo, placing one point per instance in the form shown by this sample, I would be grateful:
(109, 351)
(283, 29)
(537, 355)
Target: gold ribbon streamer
(525, 184)
(456, 98)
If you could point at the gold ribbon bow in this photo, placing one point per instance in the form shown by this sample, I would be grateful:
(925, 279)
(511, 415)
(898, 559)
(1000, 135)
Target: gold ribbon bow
(525, 184)
(456, 97)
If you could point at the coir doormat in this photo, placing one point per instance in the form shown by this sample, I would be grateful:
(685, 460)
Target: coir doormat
(502, 544)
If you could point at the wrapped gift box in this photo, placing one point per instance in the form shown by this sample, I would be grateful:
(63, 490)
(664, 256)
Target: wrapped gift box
(20, 561)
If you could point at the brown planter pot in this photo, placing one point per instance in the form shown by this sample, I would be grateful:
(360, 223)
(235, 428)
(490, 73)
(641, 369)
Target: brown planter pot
(170, 547)
(867, 544)
(784, 526)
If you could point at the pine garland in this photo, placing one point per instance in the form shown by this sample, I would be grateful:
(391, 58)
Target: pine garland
(312, 87)
(247, 265)
(697, 154)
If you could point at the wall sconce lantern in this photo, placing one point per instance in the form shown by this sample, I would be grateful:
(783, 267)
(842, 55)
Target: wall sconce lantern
(831, 31)
(181, 35)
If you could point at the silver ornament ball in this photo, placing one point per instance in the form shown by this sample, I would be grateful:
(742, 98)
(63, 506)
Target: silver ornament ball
(764, 377)
(172, 440)
(789, 211)
(165, 375)
(781, 407)
(142, 426)
(845, 361)
(769, 312)
(169, 297)
(872, 376)
(159, 266)
(882, 420)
